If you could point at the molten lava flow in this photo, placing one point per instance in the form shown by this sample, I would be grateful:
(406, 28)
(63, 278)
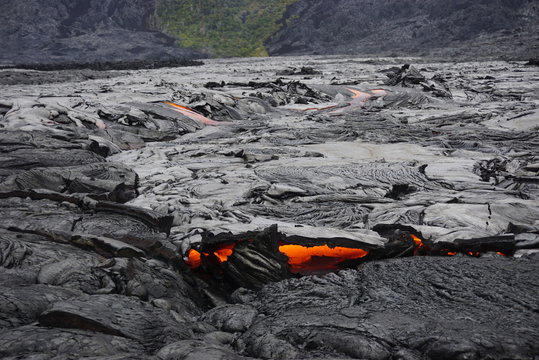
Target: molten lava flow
(318, 257)
(378, 92)
(446, 252)
(192, 114)
(419, 246)
(359, 95)
(224, 252)
(418, 242)
(194, 258)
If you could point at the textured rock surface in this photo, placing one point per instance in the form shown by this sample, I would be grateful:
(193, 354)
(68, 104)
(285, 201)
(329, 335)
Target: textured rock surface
(406, 309)
(104, 189)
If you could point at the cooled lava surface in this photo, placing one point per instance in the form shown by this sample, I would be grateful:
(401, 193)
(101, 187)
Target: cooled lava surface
(363, 209)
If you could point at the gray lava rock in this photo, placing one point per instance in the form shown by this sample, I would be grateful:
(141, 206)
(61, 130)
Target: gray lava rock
(431, 306)
(96, 247)
(22, 306)
(196, 349)
(231, 318)
(48, 343)
(118, 316)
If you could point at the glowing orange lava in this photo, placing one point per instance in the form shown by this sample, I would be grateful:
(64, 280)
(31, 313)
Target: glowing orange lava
(223, 253)
(194, 258)
(418, 242)
(318, 257)
(359, 95)
(192, 114)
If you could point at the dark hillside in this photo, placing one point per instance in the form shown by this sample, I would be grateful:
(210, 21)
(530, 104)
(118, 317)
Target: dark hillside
(415, 27)
(59, 31)
(88, 31)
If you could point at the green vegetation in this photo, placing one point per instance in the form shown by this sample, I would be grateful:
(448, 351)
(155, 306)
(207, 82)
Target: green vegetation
(222, 27)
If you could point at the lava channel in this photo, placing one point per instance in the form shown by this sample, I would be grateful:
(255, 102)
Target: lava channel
(304, 259)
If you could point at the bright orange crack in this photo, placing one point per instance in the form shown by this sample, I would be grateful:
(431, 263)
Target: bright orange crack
(419, 245)
(192, 114)
(194, 258)
(318, 257)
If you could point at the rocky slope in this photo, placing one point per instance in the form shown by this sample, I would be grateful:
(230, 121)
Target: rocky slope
(461, 28)
(86, 31)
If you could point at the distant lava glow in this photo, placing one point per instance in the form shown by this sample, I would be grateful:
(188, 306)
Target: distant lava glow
(192, 114)
(318, 257)
(359, 95)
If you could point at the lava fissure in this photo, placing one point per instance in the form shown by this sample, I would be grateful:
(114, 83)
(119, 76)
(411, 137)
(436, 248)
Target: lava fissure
(220, 258)
(321, 257)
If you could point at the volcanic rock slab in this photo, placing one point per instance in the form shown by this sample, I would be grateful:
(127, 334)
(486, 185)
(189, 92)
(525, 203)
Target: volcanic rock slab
(403, 309)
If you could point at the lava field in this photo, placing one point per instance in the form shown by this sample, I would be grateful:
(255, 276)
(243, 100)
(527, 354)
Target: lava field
(316, 207)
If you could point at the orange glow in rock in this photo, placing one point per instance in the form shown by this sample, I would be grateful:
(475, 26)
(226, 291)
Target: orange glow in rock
(192, 114)
(318, 257)
(359, 95)
(194, 259)
(223, 253)
(378, 92)
(418, 244)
